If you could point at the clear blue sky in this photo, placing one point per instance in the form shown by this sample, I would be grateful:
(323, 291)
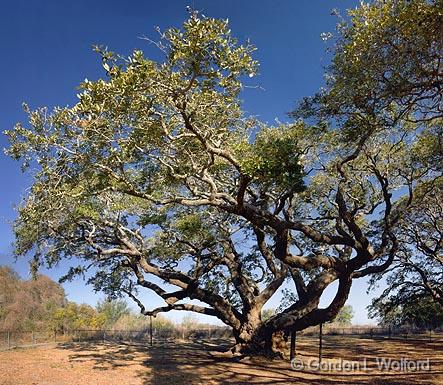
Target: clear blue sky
(46, 50)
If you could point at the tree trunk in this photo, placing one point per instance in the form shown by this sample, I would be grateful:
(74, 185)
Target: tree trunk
(257, 338)
(261, 342)
(270, 338)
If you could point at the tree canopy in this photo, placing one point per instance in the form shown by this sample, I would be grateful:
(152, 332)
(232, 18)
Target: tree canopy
(156, 178)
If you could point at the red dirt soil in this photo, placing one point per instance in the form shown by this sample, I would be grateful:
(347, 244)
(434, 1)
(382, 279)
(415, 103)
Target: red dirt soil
(204, 363)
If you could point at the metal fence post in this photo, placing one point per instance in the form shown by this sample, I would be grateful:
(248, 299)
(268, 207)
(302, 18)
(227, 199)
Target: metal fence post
(320, 346)
(150, 330)
(293, 345)
(9, 340)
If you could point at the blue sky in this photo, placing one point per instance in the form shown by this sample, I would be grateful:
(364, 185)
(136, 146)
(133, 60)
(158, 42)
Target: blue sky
(46, 49)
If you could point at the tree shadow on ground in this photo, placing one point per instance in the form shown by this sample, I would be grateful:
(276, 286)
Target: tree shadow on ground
(204, 362)
(104, 355)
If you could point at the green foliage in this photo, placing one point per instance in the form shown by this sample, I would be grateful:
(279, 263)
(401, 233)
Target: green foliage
(215, 53)
(274, 156)
(385, 68)
(125, 139)
(75, 316)
(189, 225)
(267, 314)
(112, 311)
(417, 312)
(344, 316)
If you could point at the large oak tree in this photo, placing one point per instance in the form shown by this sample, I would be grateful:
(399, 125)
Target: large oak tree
(157, 180)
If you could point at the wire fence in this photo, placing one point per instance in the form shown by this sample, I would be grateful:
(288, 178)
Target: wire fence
(390, 332)
(335, 340)
(15, 339)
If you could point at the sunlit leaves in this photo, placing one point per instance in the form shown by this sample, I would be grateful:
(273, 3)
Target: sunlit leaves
(275, 156)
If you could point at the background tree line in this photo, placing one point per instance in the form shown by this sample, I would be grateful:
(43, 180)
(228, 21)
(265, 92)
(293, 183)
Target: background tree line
(40, 304)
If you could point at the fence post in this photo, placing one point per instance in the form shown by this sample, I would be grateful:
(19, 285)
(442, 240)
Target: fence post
(293, 345)
(104, 336)
(320, 346)
(150, 330)
(55, 335)
(430, 335)
(389, 332)
(33, 337)
(9, 340)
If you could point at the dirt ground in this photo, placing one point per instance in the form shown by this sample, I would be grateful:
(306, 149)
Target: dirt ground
(205, 363)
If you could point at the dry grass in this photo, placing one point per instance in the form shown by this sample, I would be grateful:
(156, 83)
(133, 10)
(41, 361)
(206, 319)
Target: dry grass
(204, 363)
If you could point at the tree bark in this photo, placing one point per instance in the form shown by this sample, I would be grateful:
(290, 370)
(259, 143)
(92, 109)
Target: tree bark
(269, 338)
(259, 342)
